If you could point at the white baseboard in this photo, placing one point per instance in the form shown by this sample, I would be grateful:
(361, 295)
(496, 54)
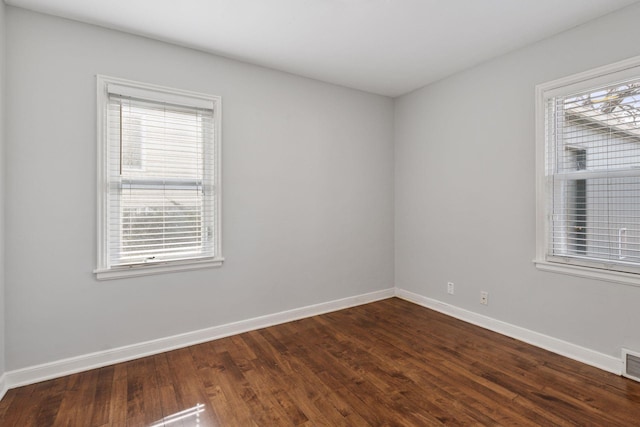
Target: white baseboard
(3, 385)
(59, 368)
(563, 348)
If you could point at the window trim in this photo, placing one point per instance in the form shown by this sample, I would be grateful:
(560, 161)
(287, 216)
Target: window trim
(592, 78)
(156, 93)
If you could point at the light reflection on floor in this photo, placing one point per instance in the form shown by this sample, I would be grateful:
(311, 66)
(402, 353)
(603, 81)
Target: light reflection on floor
(191, 415)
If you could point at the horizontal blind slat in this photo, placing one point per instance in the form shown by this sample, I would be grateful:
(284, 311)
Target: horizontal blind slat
(161, 169)
(593, 167)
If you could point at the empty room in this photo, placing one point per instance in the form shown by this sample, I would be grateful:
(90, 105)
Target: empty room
(319, 212)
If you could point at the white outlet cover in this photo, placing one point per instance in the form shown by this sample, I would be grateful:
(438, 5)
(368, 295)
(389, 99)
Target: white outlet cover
(484, 298)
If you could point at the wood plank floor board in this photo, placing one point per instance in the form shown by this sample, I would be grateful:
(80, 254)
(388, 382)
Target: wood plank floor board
(405, 366)
(261, 411)
(166, 391)
(73, 410)
(474, 359)
(442, 379)
(189, 388)
(40, 400)
(315, 396)
(137, 383)
(539, 363)
(389, 363)
(295, 398)
(347, 384)
(514, 380)
(597, 398)
(221, 391)
(153, 409)
(117, 401)
(298, 391)
(364, 378)
(101, 415)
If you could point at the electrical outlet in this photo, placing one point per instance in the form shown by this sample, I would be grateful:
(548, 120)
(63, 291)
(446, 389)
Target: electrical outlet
(484, 298)
(450, 288)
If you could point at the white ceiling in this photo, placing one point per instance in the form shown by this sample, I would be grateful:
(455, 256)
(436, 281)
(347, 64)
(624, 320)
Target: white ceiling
(388, 47)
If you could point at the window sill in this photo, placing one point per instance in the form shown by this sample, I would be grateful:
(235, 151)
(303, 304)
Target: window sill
(146, 270)
(631, 279)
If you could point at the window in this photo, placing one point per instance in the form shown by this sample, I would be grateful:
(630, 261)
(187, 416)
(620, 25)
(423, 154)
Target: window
(158, 179)
(588, 166)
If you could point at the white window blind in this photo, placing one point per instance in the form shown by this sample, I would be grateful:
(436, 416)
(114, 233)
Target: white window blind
(592, 167)
(161, 198)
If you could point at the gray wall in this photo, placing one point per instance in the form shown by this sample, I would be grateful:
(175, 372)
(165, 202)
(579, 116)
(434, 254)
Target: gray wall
(465, 193)
(307, 197)
(2, 167)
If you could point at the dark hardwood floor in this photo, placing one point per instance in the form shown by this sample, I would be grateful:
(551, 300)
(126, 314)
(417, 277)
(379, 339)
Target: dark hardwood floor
(388, 363)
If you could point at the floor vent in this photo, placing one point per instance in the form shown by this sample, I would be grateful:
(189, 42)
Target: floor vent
(631, 364)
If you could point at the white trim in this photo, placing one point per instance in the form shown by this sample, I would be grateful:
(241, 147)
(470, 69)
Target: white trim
(159, 94)
(632, 279)
(101, 168)
(555, 345)
(542, 234)
(3, 385)
(148, 269)
(46, 371)
(59, 368)
(592, 78)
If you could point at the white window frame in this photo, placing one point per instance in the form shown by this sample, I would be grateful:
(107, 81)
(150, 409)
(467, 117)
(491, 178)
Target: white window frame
(103, 270)
(597, 77)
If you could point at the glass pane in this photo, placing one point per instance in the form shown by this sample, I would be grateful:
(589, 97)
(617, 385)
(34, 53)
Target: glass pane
(161, 222)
